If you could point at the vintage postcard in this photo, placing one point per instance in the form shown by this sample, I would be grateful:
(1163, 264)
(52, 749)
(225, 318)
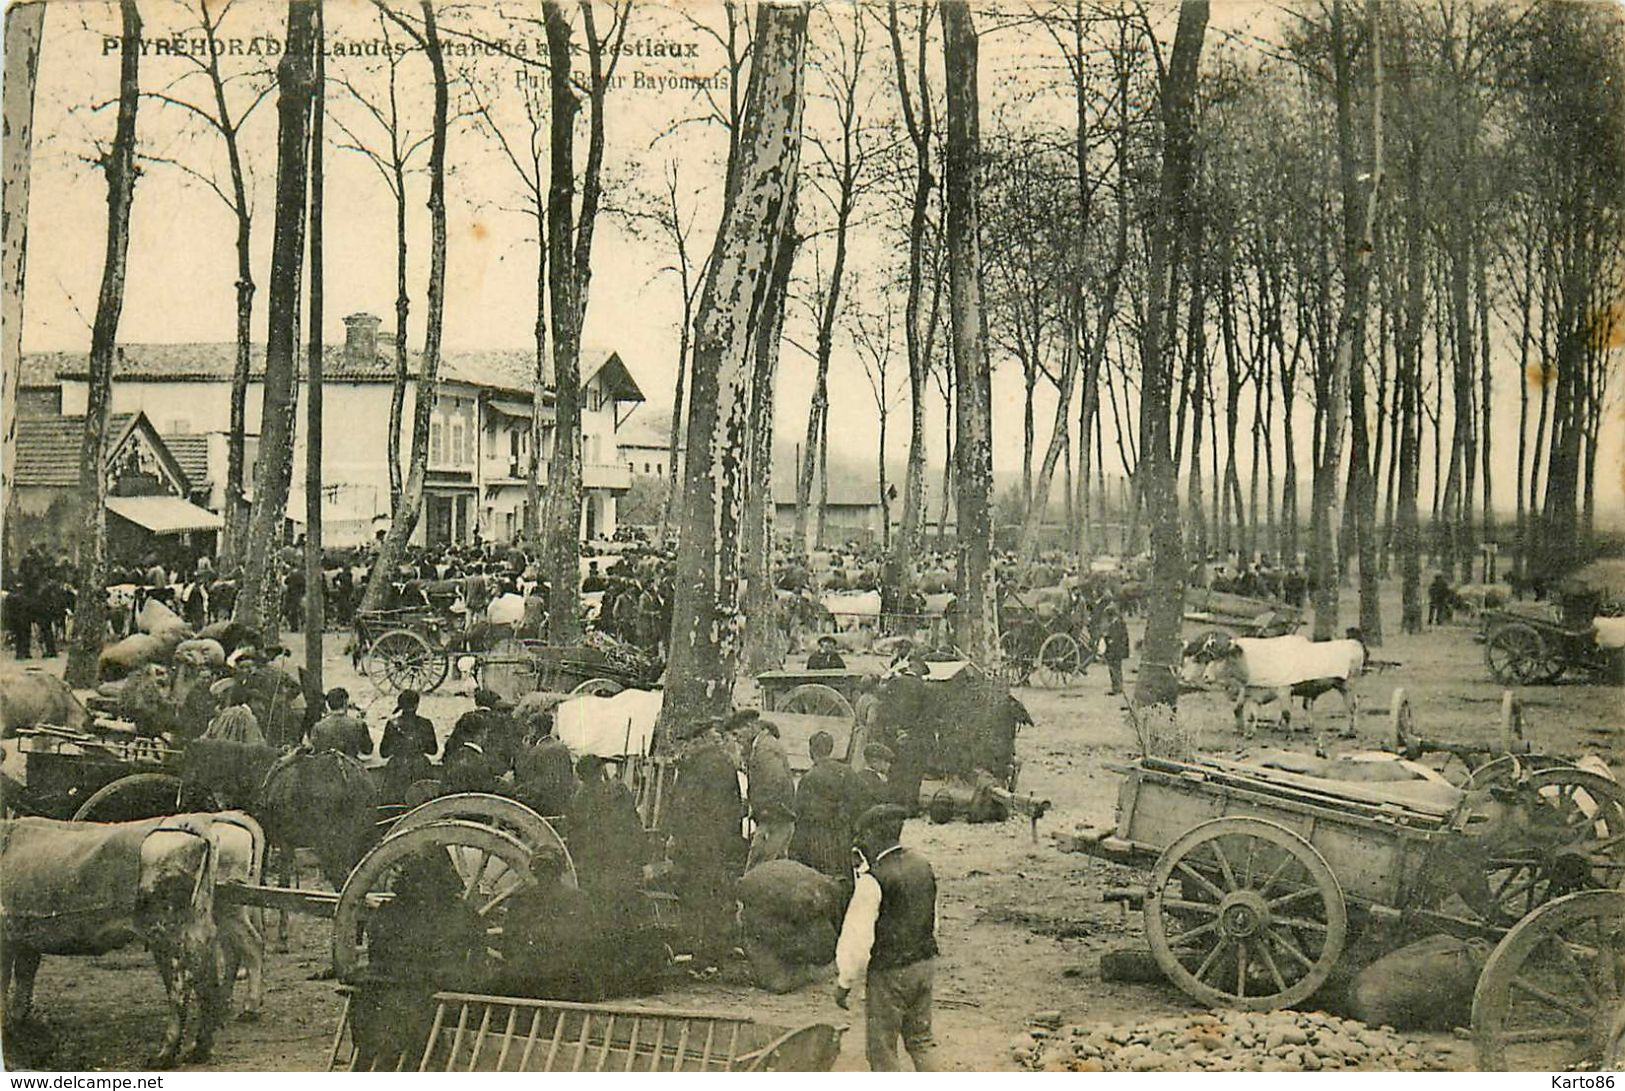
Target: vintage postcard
(739, 535)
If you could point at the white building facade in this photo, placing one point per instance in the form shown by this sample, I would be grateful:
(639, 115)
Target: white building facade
(479, 436)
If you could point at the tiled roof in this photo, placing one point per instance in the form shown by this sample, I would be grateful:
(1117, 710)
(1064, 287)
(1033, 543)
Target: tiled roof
(504, 369)
(192, 452)
(48, 448)
(192, 361)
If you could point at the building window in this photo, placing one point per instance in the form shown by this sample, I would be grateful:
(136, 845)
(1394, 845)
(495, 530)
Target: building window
(436, 447)
(456, 445)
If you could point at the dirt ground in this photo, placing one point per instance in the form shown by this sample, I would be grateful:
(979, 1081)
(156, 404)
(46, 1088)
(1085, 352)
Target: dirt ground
(1023, 925)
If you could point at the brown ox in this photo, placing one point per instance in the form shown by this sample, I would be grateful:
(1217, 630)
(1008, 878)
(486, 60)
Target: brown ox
(81, 888)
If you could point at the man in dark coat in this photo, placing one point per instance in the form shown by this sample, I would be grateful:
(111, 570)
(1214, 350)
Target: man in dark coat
(708, 846)
(1114, 639)
(824, 810)
(543, 777)
(873, 787)
(408, 744)
(826, 658)
(339, 729)
(607, 840)
(771, 791)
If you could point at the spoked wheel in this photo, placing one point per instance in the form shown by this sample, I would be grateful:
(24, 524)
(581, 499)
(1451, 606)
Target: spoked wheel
(1551, 991)
(508, 815)
(601, 687)
(1575, 841)
(447, 878)
(143, 795)
(1060, 661)
(402, 659)
(1015, 657)
(816, 699)
(1516, 655)
(1509, 769)
(1244, 913)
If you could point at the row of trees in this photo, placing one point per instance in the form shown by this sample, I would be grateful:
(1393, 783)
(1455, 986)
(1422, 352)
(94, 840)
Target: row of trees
(1376, 205)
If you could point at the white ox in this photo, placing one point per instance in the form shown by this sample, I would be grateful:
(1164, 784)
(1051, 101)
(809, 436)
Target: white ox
(852, 610)
(83, 888)
(1259, 671)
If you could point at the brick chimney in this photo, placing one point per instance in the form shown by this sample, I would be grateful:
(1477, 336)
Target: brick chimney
(361, 336)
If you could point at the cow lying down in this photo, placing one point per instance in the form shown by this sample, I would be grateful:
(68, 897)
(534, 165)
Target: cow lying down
(1261, 671)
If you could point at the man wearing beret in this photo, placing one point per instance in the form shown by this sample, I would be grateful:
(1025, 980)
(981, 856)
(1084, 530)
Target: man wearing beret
(890, 937)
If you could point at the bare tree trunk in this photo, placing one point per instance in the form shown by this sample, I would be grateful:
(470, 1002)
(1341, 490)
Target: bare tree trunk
(1348, 374)
(1039, 502)
(919, 126)
(315, 582)
(90, 608)
(24, 29)
(408, 511)
(762, 649)
(977, 605)
(704, 647)
(259, 591)
(674, 442)
(1157, 682)
(562, 532)
(403, 308)
(535, 502)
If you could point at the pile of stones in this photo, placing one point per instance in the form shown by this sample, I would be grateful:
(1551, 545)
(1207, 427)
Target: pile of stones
(1223, 1041)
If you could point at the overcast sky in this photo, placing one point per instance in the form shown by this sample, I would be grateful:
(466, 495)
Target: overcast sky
(182, 261)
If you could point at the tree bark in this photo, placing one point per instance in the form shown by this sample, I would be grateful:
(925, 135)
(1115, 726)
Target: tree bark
(1157, 682)
(407, 512)
(90, 608)
(24, 30)
(259, 593)
(704, 643)
(403, 309)
(977, 602)
(919, 126)
(236, 513)
(563, 530)
(315, 581)
(762, 649)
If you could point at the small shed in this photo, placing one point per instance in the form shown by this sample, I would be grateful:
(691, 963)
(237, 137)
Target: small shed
(148, 492)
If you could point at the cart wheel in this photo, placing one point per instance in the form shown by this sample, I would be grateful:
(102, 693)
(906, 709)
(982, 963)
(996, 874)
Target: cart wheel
(508, 815)
(1015, 661)
(599, 687)
(1509, 769)
(1244, 913)
(402, 659)
(452, 866)
(1575, 841)
(143, 795)
(1552, 988)
(816, 699)
(1516, 655)
(1059, 661)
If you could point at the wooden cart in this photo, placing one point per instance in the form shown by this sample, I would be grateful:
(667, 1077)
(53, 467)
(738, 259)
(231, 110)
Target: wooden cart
(1260, 877)
(814, 693)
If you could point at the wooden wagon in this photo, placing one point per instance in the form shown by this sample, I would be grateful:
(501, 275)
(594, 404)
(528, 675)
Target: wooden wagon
(63, 769)
(1259, 878)
(476, 1033)
(516, 668)
(812, 692)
